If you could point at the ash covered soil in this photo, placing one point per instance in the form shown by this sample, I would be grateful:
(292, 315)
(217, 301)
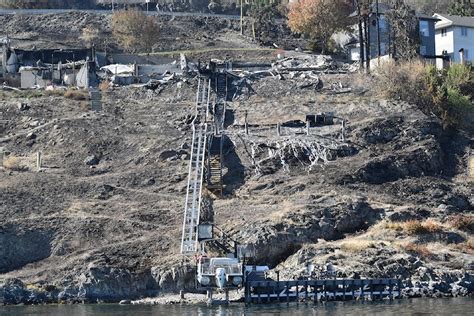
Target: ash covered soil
(102, 220)
(175, 32)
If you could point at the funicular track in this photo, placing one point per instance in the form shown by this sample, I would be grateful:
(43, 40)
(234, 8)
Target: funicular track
(192, 206)
(206, 162)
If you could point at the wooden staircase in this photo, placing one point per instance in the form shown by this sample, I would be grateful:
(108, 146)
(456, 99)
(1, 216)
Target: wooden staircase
(215, 155)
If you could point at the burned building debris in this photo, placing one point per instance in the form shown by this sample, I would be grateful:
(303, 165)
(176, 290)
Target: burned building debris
(41, 68)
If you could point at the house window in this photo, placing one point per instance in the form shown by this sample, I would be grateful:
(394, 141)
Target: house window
(424, 28)
(423, 50)
(444, 32)
(463, 31)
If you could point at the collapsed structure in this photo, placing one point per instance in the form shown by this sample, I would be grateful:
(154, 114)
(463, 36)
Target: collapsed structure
(41, 68)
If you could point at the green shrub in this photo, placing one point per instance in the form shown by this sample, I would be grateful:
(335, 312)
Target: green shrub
(447, 93)
(458, 76)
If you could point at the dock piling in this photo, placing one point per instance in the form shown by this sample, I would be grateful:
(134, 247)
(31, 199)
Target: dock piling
(287, 292)
(328, 289)
(306, 292)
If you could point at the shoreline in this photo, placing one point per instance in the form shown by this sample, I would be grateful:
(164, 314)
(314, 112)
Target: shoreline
(235, 297)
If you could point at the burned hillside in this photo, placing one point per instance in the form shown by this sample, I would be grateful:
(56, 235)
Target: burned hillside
(175, 32)
(102, 218)
(317, 168)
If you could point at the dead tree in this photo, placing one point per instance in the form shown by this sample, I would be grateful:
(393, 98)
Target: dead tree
(364, 9)
(405, 30)
(307, 152)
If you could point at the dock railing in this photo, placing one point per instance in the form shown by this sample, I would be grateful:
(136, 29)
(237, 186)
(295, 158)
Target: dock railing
(321, 290)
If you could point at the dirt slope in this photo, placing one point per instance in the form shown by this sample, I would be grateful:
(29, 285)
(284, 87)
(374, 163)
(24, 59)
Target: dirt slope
(111, 230)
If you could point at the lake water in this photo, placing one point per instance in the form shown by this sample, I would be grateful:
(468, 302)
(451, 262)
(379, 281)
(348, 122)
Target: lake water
(451, 306)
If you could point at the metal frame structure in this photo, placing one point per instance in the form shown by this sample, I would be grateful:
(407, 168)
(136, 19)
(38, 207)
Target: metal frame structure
(192, 207)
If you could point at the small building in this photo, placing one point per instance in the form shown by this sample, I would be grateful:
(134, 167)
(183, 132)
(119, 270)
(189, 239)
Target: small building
(454, 37)
(40, 68)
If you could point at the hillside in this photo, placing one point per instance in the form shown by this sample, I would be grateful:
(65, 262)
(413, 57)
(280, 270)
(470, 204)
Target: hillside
(112, 229)
(47, 4)
(101, 220)
(427, 6)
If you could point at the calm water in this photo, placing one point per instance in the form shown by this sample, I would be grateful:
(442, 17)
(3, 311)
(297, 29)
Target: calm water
(456, 306)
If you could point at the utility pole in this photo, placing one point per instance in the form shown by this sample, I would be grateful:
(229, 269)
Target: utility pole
(39, 161)
(112, 5)
(73, 69)
(361, 36)
(367, 36)
(5, 50)
(241, 17)
(379, 48)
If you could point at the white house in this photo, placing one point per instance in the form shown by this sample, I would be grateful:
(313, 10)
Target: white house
(454, 34)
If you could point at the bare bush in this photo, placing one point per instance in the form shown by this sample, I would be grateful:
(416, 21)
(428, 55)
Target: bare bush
(14, 163)
(467, 246)
(405, 81)
(85, 106)
(357, 245)
(134, 30)
(79, 95)
(415, 227)
(90, 35)
(104, 85)
(462, 222)
(420, 250)
(54, 93)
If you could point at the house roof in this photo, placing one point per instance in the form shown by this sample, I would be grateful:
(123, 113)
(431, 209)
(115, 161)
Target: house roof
(423, 16)
(453, 20)
(384, 8)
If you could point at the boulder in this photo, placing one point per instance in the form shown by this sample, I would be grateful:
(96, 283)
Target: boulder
(23, 106)
(167, 154)
(92, 160)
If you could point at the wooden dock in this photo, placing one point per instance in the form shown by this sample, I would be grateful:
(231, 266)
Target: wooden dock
(321, 290)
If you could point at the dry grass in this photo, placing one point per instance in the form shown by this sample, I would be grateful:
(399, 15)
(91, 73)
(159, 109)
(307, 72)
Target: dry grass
(466, 247)
(405, 81)
(397, 226)
(104, 85)
(85, 106)
(462, 222)
(415, 227)
(357, 245)
(445, 93)
(470, 169)
(79, 95)
(54, 93)
(14, 163)
(34, 287)
(420, 250)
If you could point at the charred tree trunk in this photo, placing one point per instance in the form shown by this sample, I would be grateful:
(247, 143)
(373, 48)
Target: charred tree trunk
(367, 43)
(361, 37)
